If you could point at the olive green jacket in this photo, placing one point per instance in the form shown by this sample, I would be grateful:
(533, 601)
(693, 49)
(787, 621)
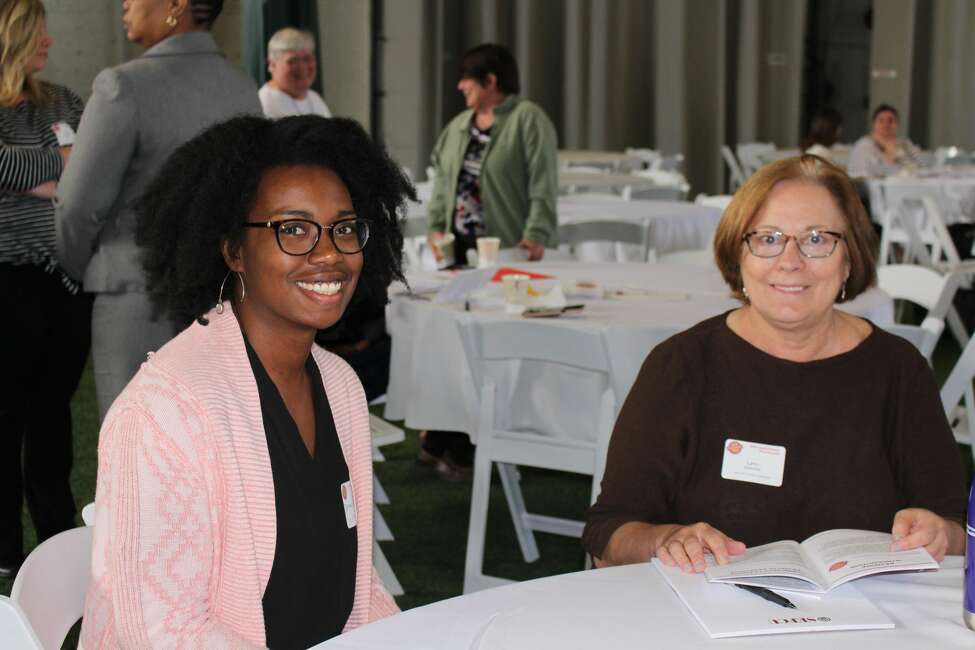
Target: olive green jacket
(519, 174)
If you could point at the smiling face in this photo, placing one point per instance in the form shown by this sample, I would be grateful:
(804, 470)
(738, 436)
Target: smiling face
(792, 291)
(292, 293)
(885, 126)
(294, 72)
(38, 61)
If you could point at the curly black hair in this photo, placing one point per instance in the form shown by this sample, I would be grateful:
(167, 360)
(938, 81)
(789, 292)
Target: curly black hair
(207, 188)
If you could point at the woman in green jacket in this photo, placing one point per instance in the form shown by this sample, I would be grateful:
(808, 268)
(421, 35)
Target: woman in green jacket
(496, 164)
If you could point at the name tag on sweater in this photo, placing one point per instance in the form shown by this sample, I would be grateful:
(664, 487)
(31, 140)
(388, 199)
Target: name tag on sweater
(753, 462)
(348, 502)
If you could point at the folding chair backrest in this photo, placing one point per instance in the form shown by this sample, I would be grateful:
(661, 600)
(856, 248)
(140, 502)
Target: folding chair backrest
(720, 201)
(735, 171)
(918, 284)
(525, 340)
(924, 336)
(51, 584)
(620, 231)
(15, 630)
(750, 155)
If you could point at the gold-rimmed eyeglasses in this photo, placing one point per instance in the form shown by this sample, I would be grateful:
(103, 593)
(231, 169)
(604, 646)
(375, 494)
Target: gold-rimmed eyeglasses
(812, 243)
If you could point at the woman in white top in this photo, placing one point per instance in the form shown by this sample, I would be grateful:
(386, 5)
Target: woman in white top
(881, 152)
(292, 64)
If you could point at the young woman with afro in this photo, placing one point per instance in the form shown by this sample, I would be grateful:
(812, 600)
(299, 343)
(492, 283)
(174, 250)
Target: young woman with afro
(234, 495)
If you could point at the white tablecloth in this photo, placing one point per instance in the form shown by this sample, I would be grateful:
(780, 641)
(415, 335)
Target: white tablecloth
(674, 225)
(956, 188)
(430, 385)
(632, 607)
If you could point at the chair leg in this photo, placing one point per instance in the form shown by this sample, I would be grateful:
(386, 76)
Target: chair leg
(511, 482)
(957, 327)
(477, 528)
(385, 571)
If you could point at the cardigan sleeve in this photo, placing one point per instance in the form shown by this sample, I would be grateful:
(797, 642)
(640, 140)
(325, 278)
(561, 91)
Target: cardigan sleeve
(155, 537)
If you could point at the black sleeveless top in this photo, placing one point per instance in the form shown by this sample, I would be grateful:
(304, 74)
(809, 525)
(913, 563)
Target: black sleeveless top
(310, 590)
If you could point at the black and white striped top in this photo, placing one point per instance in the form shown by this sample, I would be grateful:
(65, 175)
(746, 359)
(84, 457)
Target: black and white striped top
(28, 157)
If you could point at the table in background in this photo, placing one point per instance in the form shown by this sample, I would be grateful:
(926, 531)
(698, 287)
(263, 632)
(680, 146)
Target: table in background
(957, 186)
(430, 385)
(632, 607)
(614, 159)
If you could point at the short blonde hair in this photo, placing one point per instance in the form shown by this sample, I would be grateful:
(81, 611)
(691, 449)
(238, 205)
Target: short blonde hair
(738, 217)
(20, 36)
(289, 39)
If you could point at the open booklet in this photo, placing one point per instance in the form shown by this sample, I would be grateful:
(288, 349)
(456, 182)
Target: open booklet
(822, 562)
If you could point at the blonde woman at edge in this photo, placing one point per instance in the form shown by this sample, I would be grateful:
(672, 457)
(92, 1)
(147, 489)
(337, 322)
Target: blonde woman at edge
(44, 306)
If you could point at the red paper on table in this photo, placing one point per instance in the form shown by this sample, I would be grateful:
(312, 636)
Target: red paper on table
(507, 270)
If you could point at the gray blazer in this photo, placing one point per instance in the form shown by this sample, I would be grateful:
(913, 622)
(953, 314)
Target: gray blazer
(138, 114)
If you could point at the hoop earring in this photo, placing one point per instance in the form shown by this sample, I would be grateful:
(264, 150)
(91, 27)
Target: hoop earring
(243, 287)
(171, 21)
(219, 307)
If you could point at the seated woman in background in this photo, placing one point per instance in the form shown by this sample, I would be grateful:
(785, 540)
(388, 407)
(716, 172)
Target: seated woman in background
(234, 495)
(856, 409)
(881, 152)
(823, 133)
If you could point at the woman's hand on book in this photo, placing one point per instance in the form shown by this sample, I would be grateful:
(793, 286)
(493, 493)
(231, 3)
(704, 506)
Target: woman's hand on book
(917, 527)
(685, 546)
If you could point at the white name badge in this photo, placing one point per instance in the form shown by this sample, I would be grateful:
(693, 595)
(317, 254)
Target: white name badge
(348, 502)
(753, 462)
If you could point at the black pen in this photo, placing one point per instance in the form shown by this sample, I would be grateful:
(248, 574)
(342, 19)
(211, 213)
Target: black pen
(768, 595)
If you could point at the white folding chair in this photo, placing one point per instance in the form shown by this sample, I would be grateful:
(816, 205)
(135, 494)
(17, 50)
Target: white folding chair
(750, 155)
(88, 514)
(569, 349)
(51, 584)
(618, 231)
(719, 201)
(669, 186)
(736, 175)
(414, 229)
(15, 630)
(913, 218)
(648, 157)
(383, 433)
(926, 288)
(958, 386)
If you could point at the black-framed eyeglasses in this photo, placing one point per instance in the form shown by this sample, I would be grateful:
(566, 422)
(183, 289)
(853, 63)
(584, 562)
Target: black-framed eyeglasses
(813, 243)
(300, 236)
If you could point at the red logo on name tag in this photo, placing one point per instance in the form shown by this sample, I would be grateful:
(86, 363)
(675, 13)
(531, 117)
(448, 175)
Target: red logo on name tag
(734, 447)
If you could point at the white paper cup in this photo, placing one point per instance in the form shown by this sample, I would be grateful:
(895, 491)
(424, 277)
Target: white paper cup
(487, 251)
(445, 246)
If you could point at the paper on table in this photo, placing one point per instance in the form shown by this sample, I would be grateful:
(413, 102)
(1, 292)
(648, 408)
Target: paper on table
(463, 285)
(725, 611)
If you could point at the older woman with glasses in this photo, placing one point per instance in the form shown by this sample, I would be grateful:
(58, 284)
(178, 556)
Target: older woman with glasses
(234, 494)
(849, 414)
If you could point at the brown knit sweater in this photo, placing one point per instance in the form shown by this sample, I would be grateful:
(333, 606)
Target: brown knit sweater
(864, 432)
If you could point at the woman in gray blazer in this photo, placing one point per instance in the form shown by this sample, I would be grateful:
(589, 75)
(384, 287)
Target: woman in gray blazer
(138, 114)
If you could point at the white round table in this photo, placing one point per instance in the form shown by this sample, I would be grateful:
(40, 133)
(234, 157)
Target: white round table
(430, 385)
(632, 607)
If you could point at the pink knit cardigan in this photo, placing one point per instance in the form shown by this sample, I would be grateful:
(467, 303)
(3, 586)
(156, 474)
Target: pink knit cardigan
(185, 522)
